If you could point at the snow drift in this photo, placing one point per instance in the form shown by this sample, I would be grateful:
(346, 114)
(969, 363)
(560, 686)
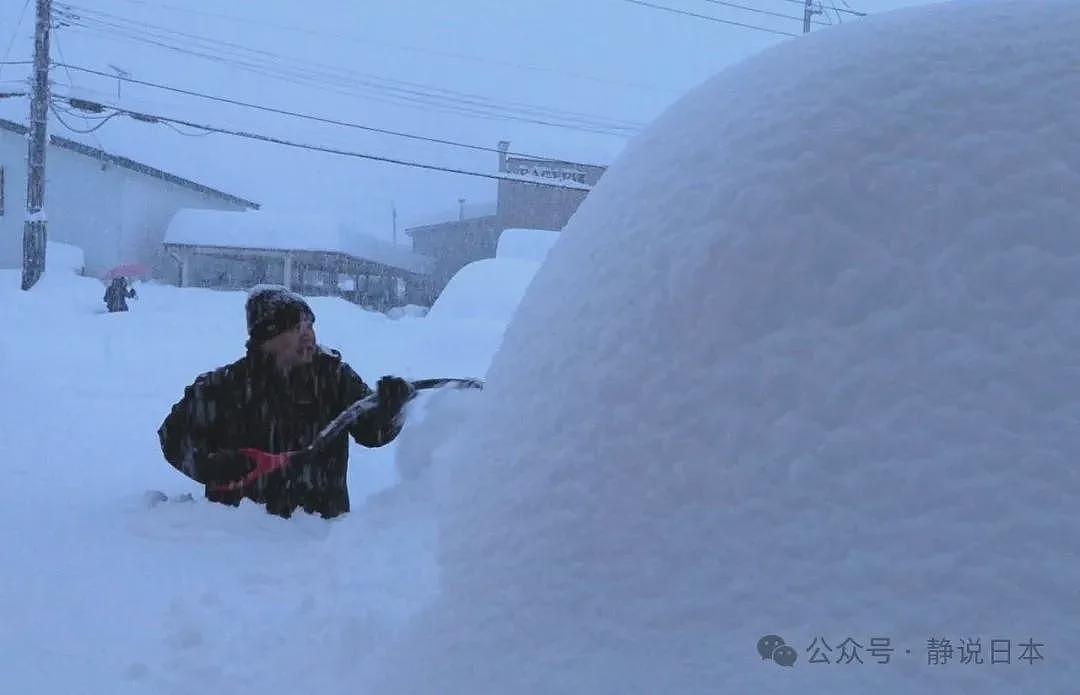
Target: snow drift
(64, 258)
(485, 290)
(530, 244)
(839, 399)
(100, 594)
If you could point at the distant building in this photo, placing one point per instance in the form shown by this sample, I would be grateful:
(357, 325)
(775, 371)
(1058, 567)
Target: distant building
(454, 243)
(113, 208)
(528, 206)
(316, 256)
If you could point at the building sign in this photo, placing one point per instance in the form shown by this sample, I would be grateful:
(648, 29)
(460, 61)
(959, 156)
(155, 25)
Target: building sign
(544, 170)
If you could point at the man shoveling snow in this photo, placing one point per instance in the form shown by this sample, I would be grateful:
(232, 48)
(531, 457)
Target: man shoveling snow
(239, 429)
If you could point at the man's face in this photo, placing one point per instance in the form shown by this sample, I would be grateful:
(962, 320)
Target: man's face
(293, 348)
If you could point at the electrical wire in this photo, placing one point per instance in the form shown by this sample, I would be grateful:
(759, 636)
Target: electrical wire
(14, 35)
(101, 122)
(71, 82)
(117, 26)
(802, 3)
(189, 135)
(310, 117)
(707, 17)
(352, 38)
(347, 89)
(156, 118)
(760, 11)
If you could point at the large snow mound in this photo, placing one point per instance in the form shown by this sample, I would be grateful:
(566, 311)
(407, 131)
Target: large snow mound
(839, 399)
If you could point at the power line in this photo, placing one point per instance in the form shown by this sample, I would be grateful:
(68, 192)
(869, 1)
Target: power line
(833, 7)
(155, 118)
(71, 81)
(247, 21)
(347, 88)
(148, 33)
(101, 121)
(343, 86)
(296, 114)
(802, 3)
(760, 11)
(707, 17)
(14, 35)
(173, 128)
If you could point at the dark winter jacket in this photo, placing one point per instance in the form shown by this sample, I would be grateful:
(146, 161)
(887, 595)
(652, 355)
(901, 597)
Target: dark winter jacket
(116, 295)
(249, 403)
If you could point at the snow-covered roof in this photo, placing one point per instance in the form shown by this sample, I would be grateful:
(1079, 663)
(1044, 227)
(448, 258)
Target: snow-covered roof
(484, 208)
(279, 232)
(117, 160)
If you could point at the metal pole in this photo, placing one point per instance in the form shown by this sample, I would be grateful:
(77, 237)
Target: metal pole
(808, 11)
(34, 229)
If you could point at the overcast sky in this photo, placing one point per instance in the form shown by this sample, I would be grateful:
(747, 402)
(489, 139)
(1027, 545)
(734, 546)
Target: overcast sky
(414, 66)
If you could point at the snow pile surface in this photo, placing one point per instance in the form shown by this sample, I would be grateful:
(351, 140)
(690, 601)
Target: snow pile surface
(488, 290)
(64, 258)
(531, 244)
(840, 397)
(411, 311)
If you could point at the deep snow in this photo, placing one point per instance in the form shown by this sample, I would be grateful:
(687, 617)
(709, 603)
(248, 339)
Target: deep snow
(838, 397)
(101, 594)
(803, 364)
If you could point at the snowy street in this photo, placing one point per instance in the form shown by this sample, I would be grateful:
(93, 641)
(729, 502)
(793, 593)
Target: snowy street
(111, 593)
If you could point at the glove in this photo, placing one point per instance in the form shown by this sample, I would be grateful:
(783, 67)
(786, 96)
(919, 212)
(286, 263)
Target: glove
(392, 393)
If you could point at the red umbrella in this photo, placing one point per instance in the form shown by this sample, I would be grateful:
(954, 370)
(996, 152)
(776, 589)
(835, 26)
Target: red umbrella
(128, 270)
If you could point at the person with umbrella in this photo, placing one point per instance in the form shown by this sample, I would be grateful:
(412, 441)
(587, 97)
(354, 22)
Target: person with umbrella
(117, 294)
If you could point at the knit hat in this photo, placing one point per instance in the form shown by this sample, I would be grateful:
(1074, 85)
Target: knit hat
(272, 310)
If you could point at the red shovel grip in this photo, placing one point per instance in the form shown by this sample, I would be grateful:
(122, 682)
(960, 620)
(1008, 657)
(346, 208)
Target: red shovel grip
(265, 464)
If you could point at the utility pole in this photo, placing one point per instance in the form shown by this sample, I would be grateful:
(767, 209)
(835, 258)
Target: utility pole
(121, 74)
(34, 230)
(393, 210)
(809, 10)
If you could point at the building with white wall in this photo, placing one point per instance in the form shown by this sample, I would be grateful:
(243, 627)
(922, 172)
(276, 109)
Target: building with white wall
(115, 209)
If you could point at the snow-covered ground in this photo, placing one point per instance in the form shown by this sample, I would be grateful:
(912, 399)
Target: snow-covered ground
(804, 364)
(101, 594)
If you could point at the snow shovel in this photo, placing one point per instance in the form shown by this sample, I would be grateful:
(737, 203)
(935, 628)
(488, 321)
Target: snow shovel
(266, 463)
